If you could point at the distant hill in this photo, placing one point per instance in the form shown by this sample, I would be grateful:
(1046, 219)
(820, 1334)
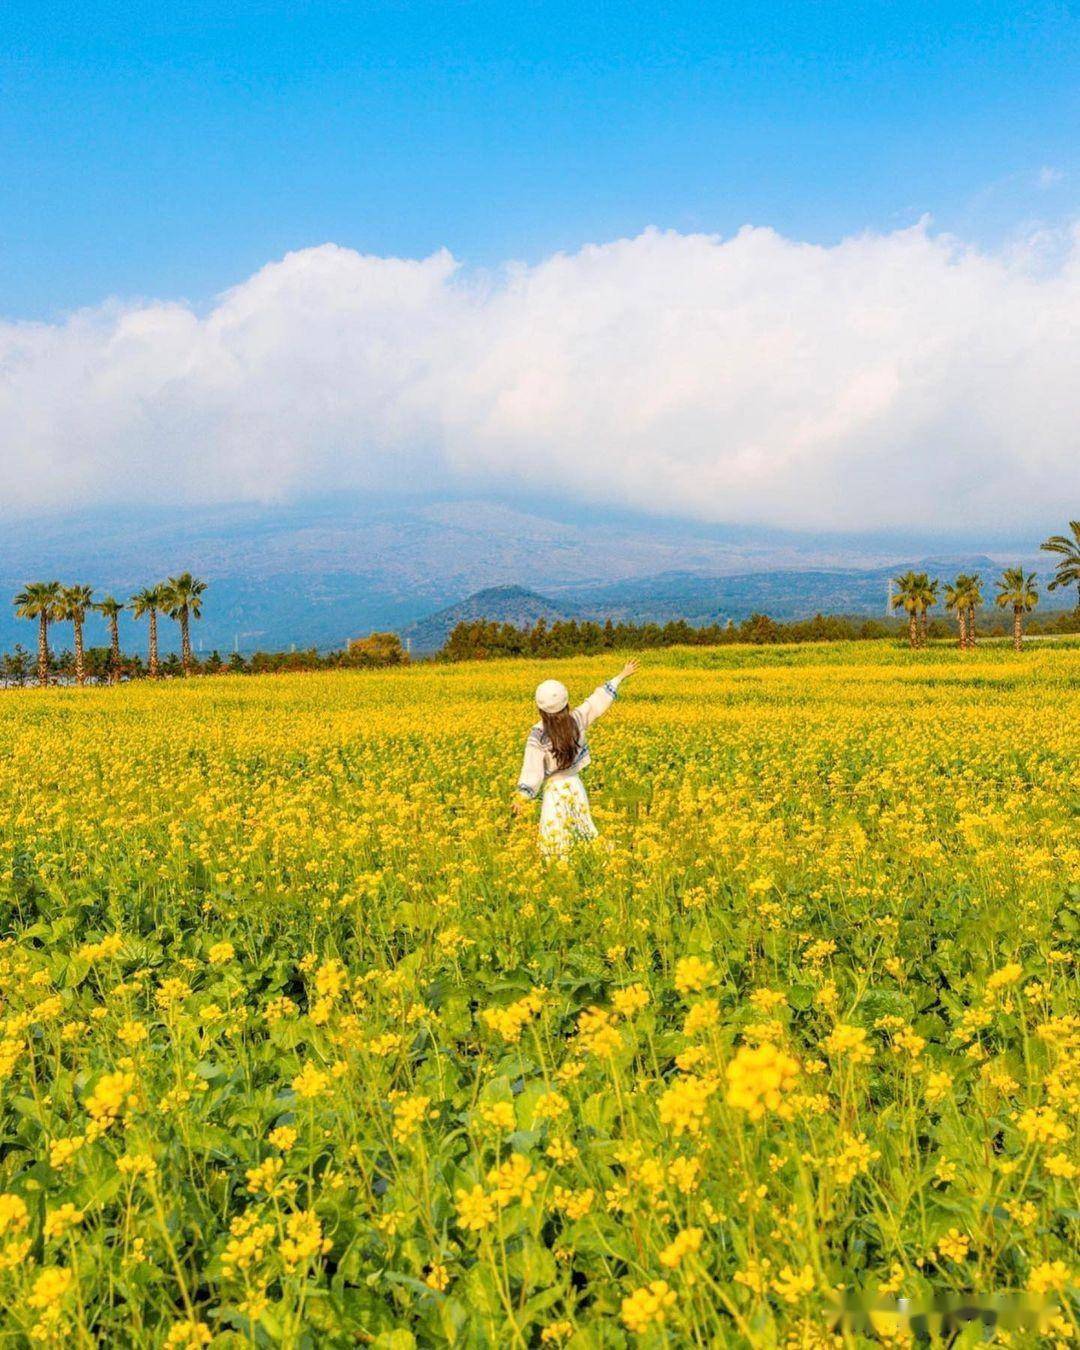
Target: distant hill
(497, 604)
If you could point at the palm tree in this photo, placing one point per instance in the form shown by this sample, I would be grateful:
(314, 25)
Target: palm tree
(184, 604)
(906, 597)
(74, 602)
(975, 599)
(40, 600)
(956, 599)
(111, 609)
(1067, 571)
(149, 601)
(1018, 590)
(928, 598)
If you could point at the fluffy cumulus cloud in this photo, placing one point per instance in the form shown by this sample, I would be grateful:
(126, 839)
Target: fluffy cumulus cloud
(888, 380)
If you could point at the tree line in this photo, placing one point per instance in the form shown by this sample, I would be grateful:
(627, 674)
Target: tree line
(179, 598)
(482, 639)
(916, 593)
(49, 602)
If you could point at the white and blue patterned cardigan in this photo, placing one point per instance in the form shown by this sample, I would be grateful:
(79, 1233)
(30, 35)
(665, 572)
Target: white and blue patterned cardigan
(539, 765)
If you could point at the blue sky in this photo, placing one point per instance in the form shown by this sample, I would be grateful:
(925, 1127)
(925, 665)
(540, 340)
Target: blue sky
(765, 265)
(170, 150)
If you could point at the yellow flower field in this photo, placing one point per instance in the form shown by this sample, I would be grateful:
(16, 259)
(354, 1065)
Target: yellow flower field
(301, 1043)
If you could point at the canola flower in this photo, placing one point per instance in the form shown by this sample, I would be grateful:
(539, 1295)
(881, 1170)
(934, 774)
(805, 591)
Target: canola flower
(302, 1042)
(648, 1306)
(759, 1079)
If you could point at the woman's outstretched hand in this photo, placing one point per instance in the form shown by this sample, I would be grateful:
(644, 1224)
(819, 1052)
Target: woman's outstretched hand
(629, 669)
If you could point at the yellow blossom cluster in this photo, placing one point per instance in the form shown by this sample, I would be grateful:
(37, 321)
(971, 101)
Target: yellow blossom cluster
(759, 1078)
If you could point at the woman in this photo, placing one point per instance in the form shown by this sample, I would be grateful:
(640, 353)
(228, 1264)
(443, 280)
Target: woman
(555, 753)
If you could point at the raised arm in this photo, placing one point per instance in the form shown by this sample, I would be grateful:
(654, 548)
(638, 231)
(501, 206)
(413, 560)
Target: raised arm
(600, 700)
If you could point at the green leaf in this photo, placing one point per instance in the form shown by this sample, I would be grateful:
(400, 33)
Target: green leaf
(533, 1265)
(599, 1112)
(398, 1339)
(481, 1291)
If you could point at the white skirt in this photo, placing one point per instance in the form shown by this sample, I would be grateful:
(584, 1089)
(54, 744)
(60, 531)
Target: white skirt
(565, 818)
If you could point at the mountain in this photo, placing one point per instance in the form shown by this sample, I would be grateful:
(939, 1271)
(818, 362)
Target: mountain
(497, 604)
(316, 573)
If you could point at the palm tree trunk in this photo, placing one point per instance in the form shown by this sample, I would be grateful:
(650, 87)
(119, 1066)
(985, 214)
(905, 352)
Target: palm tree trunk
(43, 650)
(152, 660)
(185, 641)
(1018, 627)
(913, 630)
(114, 650)
(961, 619)
(971, 627)
(80, 655)
(922, 629)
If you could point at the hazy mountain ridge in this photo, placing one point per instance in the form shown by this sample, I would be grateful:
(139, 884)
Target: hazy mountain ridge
(319, 573)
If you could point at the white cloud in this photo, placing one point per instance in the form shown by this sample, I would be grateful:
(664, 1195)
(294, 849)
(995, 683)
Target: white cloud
(890, 380)
(1049, 177)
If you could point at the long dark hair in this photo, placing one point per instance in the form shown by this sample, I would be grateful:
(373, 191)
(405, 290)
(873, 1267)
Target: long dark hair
(562, 732)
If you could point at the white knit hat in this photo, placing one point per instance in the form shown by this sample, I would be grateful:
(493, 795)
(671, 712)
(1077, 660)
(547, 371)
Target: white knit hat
(551, 696)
